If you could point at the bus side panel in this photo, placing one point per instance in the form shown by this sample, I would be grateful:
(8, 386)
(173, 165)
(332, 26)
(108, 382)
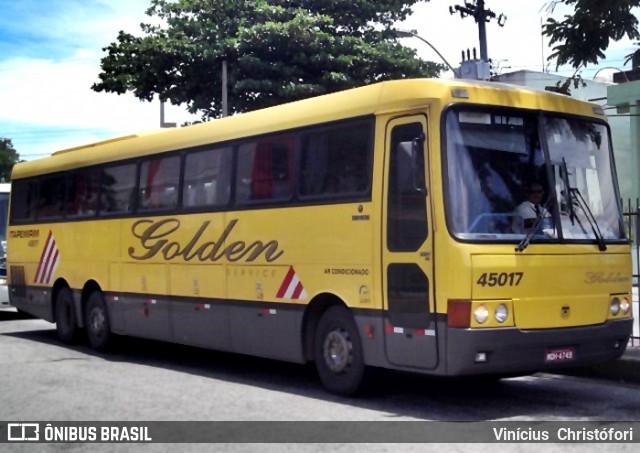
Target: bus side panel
(25, 295)
(263, 327)
(198, 317)
(112, 299)
(143, 302)
(267, 330)
(31, 299)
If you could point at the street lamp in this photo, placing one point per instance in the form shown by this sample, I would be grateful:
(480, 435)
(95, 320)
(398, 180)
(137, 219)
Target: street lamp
(611, 67)
(410, 34)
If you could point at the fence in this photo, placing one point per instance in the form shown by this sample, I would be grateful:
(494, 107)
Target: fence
(631, 213)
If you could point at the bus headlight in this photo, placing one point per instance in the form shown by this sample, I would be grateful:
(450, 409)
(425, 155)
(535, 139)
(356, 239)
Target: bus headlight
(481, 314)
(501, 314)
(614, 307)
(625, 305)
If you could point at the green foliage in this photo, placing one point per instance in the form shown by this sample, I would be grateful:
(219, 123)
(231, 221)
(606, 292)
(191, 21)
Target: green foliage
(276, 51)
(582, 38)
(8, 158)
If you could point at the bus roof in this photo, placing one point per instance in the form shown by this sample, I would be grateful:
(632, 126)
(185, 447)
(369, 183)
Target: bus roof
(384, 97)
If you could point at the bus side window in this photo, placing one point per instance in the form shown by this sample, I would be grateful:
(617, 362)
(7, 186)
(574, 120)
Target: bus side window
(51, 198)
(24, 194)
(265, 170)
(336, 160)
(116, 191)
(206, 178)
(158, 184)
(82, 193)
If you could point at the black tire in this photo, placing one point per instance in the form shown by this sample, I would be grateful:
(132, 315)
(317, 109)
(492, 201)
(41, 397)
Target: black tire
(65, 315)
(97, 322)
(338, 352)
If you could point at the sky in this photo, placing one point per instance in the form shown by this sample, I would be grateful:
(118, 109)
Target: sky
(50, 55)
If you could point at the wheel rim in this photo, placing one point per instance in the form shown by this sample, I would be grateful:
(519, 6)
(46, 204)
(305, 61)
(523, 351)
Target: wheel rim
(338, 351)
(97, 321)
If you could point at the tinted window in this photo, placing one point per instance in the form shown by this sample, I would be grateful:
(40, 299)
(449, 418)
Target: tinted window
(265, 170)
(23, 199)
(407, 208)
(206, 178)
(51, 195)
(335, 160)
(117, 194)
(158, 185)
(82, 193)
(408, 295)
(4, 212)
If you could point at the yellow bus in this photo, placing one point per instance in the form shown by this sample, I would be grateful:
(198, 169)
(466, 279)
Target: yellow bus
(376, 227)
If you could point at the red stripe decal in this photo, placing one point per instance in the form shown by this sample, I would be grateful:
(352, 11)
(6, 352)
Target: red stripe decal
(51, 265)
(285, 283)
(297, 291)
(51, 247)
(42, 257)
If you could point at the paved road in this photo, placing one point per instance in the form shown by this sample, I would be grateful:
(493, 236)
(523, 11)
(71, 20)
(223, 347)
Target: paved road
(42, 379)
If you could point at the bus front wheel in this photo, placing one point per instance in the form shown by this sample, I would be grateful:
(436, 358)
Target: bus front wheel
(66, 323)
(97, 322)
(338, 352)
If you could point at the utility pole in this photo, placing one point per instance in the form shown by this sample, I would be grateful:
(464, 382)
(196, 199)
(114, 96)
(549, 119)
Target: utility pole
(481, 16)
(225, 102)
(162, 121)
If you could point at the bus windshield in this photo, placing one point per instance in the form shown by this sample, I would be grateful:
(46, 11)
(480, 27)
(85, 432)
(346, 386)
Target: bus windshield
(502, 185)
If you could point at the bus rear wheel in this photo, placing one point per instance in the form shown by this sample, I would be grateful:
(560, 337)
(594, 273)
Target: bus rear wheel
(97, 322)
(338, 352)
(66, 322)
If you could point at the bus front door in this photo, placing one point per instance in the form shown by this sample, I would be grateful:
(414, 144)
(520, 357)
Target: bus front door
(407, 262)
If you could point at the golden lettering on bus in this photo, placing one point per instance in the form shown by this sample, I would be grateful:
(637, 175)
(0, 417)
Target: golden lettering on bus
(157, 237)
(602, 277)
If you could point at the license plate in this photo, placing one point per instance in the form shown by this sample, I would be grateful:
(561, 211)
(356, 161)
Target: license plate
(559, 355)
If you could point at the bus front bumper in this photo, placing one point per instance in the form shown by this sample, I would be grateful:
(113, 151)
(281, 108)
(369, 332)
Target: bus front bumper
(514, 351)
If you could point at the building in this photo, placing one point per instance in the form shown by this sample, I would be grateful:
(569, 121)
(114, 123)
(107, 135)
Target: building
(618, 100)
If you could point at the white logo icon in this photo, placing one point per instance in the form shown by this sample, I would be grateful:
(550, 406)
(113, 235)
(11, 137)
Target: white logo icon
(25, 432)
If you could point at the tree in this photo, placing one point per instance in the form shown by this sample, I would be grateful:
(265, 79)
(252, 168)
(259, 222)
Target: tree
(8, 158)
(582, 38)
(276, 51)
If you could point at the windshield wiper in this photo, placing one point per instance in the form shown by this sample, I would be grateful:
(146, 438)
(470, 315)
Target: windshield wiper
(602, 246)
(568, 200)
(534, 228)
(570, 193)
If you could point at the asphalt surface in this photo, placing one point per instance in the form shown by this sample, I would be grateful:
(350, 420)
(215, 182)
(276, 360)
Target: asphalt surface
(626, 369)
(46, 380)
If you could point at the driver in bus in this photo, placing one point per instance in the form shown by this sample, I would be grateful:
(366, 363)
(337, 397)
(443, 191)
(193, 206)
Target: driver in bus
(532, 207)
